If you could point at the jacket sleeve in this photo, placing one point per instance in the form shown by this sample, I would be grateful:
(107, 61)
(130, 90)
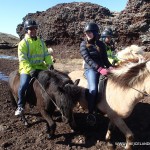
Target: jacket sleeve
(86, 56)
(22, 56)
(104, 56)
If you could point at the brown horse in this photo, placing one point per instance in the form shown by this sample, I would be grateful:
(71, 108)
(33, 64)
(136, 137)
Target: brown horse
(125, 87)
(46, 92)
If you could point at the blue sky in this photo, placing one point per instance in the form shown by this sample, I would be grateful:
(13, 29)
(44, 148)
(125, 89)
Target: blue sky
(12, 11)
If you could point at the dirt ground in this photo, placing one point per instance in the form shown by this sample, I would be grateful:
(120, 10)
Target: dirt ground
(15, 136)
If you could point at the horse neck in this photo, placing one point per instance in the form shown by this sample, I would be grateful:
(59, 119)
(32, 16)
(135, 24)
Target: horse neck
(146, 85)
(137, 93)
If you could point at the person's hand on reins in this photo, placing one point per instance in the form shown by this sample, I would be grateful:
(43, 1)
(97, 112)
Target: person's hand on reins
(34, 73)
(102, 71)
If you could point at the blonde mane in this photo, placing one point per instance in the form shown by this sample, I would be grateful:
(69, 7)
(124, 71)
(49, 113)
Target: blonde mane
(131, 52)
(129, 75)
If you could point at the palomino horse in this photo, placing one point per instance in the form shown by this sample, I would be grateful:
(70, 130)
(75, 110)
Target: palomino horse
(46, 93)
(125, 87)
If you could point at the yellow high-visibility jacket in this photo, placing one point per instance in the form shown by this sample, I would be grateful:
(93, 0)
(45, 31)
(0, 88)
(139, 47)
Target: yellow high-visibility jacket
(111, 55)
(33, 54)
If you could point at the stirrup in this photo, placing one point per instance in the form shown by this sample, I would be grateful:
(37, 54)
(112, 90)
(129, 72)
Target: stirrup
(91, 119)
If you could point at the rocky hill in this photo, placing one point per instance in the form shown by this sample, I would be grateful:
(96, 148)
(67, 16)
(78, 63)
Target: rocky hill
(62, 25)
(8, 41)
(133, 23)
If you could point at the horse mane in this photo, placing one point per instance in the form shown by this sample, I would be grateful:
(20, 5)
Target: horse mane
(146, 56)
(130, 52)
(54, 77)
(122, 63)
(129, 75)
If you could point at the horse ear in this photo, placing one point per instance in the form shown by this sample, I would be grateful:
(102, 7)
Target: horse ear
(77, 82)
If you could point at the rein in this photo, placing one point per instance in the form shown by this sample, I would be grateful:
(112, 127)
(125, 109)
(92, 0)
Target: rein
(145, 94)
(58, 108)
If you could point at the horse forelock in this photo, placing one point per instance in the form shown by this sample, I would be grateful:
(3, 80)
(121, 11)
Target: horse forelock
(73, 91)
(129, 75)
(64, 101)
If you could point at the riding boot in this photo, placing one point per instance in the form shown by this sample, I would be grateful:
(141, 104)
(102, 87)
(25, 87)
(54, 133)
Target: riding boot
(91, 119)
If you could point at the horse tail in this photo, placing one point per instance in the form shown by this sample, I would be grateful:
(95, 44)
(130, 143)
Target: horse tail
(13, 99)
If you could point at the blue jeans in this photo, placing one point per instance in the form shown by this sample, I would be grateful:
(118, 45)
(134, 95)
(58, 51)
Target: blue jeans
(92, 77)
(24, 83)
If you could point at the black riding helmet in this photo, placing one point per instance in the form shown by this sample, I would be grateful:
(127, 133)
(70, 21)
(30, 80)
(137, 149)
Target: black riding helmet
(106, 33)
(30, 23)
(91, 26)
(109, 30)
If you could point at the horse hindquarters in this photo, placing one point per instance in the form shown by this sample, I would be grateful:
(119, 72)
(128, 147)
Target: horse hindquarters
(13, 84)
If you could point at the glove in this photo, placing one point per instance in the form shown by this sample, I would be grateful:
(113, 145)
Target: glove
(34, 73)
(50, 67)
(102, 71)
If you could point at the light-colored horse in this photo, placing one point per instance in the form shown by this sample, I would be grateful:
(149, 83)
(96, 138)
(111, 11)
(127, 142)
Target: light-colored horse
(126, 86)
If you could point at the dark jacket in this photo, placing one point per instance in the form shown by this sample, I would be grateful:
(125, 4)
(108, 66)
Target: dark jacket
(94, 55)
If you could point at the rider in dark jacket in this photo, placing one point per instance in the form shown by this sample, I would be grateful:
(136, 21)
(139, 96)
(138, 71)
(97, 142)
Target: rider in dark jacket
(96, 63)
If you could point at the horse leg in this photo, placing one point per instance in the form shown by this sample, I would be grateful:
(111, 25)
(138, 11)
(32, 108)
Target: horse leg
(14, 100)
(51, 125)
(73, 124)
(125, 130)
(108, 134)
